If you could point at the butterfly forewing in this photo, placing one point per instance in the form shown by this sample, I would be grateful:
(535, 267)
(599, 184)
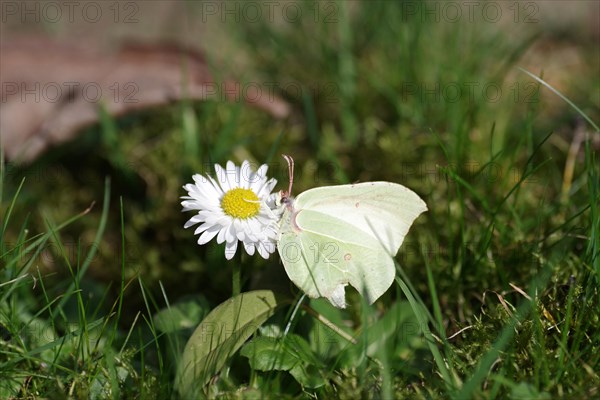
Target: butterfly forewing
(383, 210)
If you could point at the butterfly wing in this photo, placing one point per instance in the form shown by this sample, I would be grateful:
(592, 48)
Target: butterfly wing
(322, 254)
(383, 210)
(347, 234)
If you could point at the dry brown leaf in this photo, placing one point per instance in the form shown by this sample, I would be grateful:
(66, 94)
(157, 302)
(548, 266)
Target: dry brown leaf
(49, 90)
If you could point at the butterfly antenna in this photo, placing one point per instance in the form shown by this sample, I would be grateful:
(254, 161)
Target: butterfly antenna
(290, 162)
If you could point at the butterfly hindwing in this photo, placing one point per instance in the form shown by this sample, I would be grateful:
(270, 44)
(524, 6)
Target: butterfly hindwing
(322, 254)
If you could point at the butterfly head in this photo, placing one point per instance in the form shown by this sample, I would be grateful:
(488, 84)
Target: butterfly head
(283, 200)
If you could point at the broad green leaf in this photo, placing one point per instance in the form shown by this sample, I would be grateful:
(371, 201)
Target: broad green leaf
(268, 354)
(308, 376)
(291, 353)
(308, 373)
(526, 391)
(180, 316)
(302, 350)
(220, 335)
(11, 387)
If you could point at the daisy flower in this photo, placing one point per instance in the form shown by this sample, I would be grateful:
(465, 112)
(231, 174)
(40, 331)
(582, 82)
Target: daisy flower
(235, 206)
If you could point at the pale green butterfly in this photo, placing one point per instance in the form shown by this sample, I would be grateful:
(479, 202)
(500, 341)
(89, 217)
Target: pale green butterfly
(334, 236)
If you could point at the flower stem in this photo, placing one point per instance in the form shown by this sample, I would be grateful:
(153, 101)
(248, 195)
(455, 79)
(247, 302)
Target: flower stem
(236, 275)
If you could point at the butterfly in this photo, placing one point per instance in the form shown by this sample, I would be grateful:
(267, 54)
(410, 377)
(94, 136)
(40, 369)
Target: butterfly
(334, 236)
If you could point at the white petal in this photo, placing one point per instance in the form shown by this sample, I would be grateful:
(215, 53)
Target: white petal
(200, 179)
(224, 220)
(232, 174)
(239, 230)
(271, 235)
(254, 226)
(203, 227)
(230, 249)
(265, 249)
(230, 234)
(251, 235)
(245, 174)
(274, 201)
(253, 179)
(249, 246)
(270, 185)
(222, 178)
(221, 235)
(189, 205)
(207, 194)
(214, 219)
(192, 221)
(208, 235)
(262, 171)
(215, 187)
(265, 188)
(201, 195)
(238, 177)
(209, 216)
(190, 187)
(259, 179)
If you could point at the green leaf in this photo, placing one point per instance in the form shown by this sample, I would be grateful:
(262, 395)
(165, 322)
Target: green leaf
(180, 316)
(268, 354)
(308, 376)
(291, 353)
(220, 335)
(10, 387)
(523, 391)
(302, 350)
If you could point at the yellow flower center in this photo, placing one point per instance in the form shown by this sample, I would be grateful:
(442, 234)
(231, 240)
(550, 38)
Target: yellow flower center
(240, 203)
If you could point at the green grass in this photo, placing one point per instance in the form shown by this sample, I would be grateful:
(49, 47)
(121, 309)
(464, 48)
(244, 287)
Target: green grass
(497, 290)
